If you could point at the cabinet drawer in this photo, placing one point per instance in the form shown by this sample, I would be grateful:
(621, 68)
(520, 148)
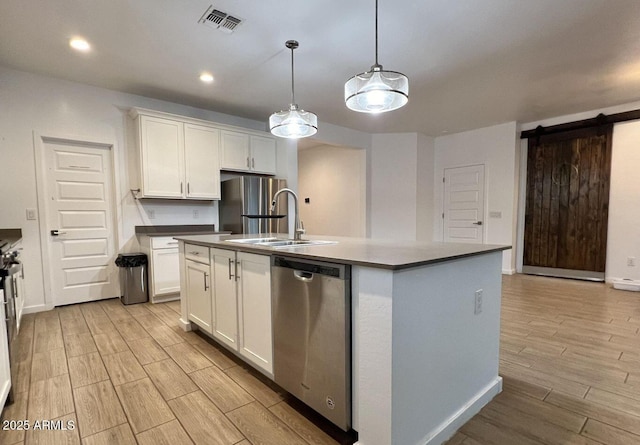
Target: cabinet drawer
(163, 242)
(196, 253)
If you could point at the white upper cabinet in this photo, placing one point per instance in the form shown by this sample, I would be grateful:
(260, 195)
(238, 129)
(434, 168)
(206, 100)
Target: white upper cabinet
(178, 159)
(247, 152)
(161, 143)
(234, 149)
(181, 158)
(202, 166)
(263, 154)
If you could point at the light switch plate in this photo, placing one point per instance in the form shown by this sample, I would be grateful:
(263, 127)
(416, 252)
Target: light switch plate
(32, 214)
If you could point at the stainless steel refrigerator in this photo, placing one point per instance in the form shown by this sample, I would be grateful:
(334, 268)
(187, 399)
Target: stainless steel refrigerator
(246, 203)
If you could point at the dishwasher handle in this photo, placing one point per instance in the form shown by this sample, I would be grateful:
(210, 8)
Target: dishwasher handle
(303, 276)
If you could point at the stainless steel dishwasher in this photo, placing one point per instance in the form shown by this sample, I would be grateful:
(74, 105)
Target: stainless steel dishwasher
(312, 334)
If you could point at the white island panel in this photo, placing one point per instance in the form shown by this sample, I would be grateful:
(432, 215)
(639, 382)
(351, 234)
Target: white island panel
(424, 362)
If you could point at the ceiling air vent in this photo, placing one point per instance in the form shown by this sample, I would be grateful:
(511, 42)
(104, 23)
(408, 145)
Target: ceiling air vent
(220, 20)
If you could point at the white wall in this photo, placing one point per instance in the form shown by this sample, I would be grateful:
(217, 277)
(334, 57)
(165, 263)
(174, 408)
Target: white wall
(394, 186)
(623, 238)
(334, 180)
(424, 193)
(495, 147)
(53, 107)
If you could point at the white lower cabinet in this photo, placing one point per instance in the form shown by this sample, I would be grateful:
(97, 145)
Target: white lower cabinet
(254, 308)
(238, 313)
(163, 268)
(199, 294)
(225, 305)
(5, 372)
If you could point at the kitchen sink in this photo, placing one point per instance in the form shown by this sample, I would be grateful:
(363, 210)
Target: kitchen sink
(252, 240)
(280, 242)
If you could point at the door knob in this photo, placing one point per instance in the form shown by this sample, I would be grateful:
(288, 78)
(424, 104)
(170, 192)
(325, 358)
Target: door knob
(477, 223)
(57, 232)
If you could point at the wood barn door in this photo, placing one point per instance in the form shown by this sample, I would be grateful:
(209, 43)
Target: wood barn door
(567, 204)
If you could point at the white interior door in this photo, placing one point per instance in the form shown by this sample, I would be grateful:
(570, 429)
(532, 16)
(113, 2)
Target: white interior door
(79, 216)
(464, 204)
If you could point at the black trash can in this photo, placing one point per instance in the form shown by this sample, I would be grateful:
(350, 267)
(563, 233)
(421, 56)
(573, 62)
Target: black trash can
(133, 277)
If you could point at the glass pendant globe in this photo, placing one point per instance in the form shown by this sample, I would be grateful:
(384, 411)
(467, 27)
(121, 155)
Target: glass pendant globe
(376, 91)
(293, 123)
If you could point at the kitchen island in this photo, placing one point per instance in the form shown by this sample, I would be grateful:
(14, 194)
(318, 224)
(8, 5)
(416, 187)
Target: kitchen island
(425, 331)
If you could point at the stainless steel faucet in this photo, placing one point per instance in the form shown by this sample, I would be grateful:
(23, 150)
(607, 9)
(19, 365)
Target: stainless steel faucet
(299, 228)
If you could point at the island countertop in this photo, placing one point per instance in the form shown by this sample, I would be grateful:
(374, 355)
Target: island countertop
(384, 254)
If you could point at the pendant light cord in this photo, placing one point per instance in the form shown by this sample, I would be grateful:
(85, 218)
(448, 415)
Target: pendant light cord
(376, 33)
(293, 97)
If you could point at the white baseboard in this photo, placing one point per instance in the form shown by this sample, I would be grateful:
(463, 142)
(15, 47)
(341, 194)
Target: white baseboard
(448, 428)
(508, 271)
(36, 308)
(185, 325)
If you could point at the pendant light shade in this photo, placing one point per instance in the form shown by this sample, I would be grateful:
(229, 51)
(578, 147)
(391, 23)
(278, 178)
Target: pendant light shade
(293, 123)
(376, 90)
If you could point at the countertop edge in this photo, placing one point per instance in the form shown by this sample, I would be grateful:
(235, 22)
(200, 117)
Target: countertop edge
(261, 250)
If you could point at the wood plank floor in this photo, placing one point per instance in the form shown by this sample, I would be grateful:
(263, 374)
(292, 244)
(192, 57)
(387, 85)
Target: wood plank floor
(130, 375)
(570, 359)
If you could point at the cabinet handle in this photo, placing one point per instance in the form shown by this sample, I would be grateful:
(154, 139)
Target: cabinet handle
(206, 287)
(194, 252)
(188, 188)
(230, 274)
(237, 275)
(248, 165)
(181, 188)
(253, 163)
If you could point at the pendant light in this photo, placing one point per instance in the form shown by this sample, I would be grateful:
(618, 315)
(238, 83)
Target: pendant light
(293, 123)
(376, 90)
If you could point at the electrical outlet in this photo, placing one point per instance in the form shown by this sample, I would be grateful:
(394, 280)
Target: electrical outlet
(196, 214)
(631, 261)
(32, 214)
(478, 302)
(151, 214)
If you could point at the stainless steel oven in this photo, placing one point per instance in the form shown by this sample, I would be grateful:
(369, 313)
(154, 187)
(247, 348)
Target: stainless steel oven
(10, 270)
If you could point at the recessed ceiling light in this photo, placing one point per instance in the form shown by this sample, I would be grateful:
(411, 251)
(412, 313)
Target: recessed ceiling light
(80, 44)
(206, 77)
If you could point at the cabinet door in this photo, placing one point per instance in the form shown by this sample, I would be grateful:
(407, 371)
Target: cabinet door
(263, 154)
(5, 373)
(162, 149)
(202, 165)
(225, 311)
(254, 303)
(165, 272)
(234, 151)
(199, 294)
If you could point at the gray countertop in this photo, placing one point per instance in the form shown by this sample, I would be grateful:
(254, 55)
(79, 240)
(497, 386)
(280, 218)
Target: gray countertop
(173, 230)
(384, 254)
(11, 236)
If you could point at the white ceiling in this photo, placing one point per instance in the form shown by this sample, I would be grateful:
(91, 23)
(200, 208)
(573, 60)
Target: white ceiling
(470, 63)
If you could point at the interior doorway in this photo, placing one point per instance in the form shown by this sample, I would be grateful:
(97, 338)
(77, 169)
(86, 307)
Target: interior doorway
(332, 189)
(567, 202)
(77, 227)
(463, 215)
